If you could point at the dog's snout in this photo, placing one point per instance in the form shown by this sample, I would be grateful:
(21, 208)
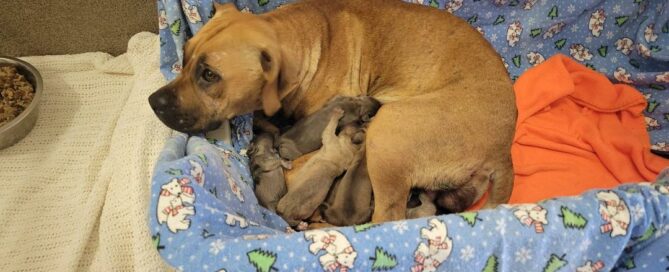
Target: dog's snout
(164, 103)
(162, 100)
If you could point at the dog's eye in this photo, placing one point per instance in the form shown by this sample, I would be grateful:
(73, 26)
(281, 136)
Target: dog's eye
(210, 76)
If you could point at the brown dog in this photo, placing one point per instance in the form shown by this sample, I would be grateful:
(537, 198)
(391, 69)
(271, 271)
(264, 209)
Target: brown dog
(314, 179)
(305, 135)
(448, 109)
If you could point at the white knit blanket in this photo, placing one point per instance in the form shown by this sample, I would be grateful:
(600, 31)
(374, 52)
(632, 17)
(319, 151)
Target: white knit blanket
(75, 191)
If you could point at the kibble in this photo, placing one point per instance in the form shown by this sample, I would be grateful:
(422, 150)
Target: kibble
(16, 93)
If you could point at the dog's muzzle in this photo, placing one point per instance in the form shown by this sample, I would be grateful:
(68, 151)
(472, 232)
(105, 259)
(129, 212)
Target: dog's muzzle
(165, 105)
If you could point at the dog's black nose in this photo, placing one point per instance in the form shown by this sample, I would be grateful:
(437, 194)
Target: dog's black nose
(164, 103)
(162, 100)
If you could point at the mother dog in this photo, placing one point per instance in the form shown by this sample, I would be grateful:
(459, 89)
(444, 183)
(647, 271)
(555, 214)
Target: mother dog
(448, 109)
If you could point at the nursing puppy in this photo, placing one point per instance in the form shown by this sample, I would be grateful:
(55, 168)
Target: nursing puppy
(312, 182)
(350, 200)
(448, 107)
(262, 124)
(424, 209)
(305, 135)
(267, 171)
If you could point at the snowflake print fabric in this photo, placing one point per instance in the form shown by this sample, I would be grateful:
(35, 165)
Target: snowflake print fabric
(597, 231)
(205, 217)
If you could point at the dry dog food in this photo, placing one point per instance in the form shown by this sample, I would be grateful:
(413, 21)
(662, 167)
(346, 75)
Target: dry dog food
(16, 93)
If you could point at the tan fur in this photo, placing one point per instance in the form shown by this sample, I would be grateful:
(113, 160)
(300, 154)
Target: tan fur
(296, 165)
(449, 108)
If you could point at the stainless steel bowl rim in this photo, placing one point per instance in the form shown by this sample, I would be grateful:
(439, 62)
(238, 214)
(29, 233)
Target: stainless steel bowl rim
(36, 98)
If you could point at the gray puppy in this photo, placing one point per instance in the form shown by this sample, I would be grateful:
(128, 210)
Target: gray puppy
(305, 135)
(425, 209)
(314, 179)
(267, 170)
(350, 201)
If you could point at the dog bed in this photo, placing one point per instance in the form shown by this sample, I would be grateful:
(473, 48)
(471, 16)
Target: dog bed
(204, 216)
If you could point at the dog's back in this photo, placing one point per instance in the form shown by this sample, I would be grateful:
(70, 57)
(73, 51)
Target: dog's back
(437, 56)
(443, 85)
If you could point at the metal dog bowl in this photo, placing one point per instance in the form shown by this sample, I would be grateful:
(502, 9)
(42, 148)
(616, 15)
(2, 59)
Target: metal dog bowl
(19, 127)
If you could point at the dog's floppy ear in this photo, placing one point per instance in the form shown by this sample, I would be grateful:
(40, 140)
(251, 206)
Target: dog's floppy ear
(222, 9)
(270, 61)
(281, 75)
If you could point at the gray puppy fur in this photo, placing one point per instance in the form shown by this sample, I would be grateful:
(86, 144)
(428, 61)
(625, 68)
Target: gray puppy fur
(350, 201)
(425, 209)
(313, 181)
(305, 135)
(267, 171)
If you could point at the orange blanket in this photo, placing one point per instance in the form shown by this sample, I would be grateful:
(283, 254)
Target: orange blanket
(577, 131)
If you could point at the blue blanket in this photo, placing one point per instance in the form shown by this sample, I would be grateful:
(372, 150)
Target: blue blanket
(204, 215)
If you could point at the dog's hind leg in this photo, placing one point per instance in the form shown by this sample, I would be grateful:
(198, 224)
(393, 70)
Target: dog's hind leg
(436, 141)
(390, 188)
(389, 166)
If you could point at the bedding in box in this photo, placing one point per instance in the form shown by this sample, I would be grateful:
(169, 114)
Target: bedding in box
(219, 225)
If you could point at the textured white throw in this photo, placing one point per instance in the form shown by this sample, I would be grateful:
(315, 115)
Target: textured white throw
(75, 191)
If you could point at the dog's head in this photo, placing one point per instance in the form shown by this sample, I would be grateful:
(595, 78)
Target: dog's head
(230, 67)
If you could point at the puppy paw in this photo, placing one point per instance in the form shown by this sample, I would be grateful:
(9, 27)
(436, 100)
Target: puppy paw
(287, 164)
(302, 226)
(337, 113)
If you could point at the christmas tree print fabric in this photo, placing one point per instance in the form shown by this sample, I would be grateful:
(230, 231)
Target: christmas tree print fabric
(204, 219)
(204, 216)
